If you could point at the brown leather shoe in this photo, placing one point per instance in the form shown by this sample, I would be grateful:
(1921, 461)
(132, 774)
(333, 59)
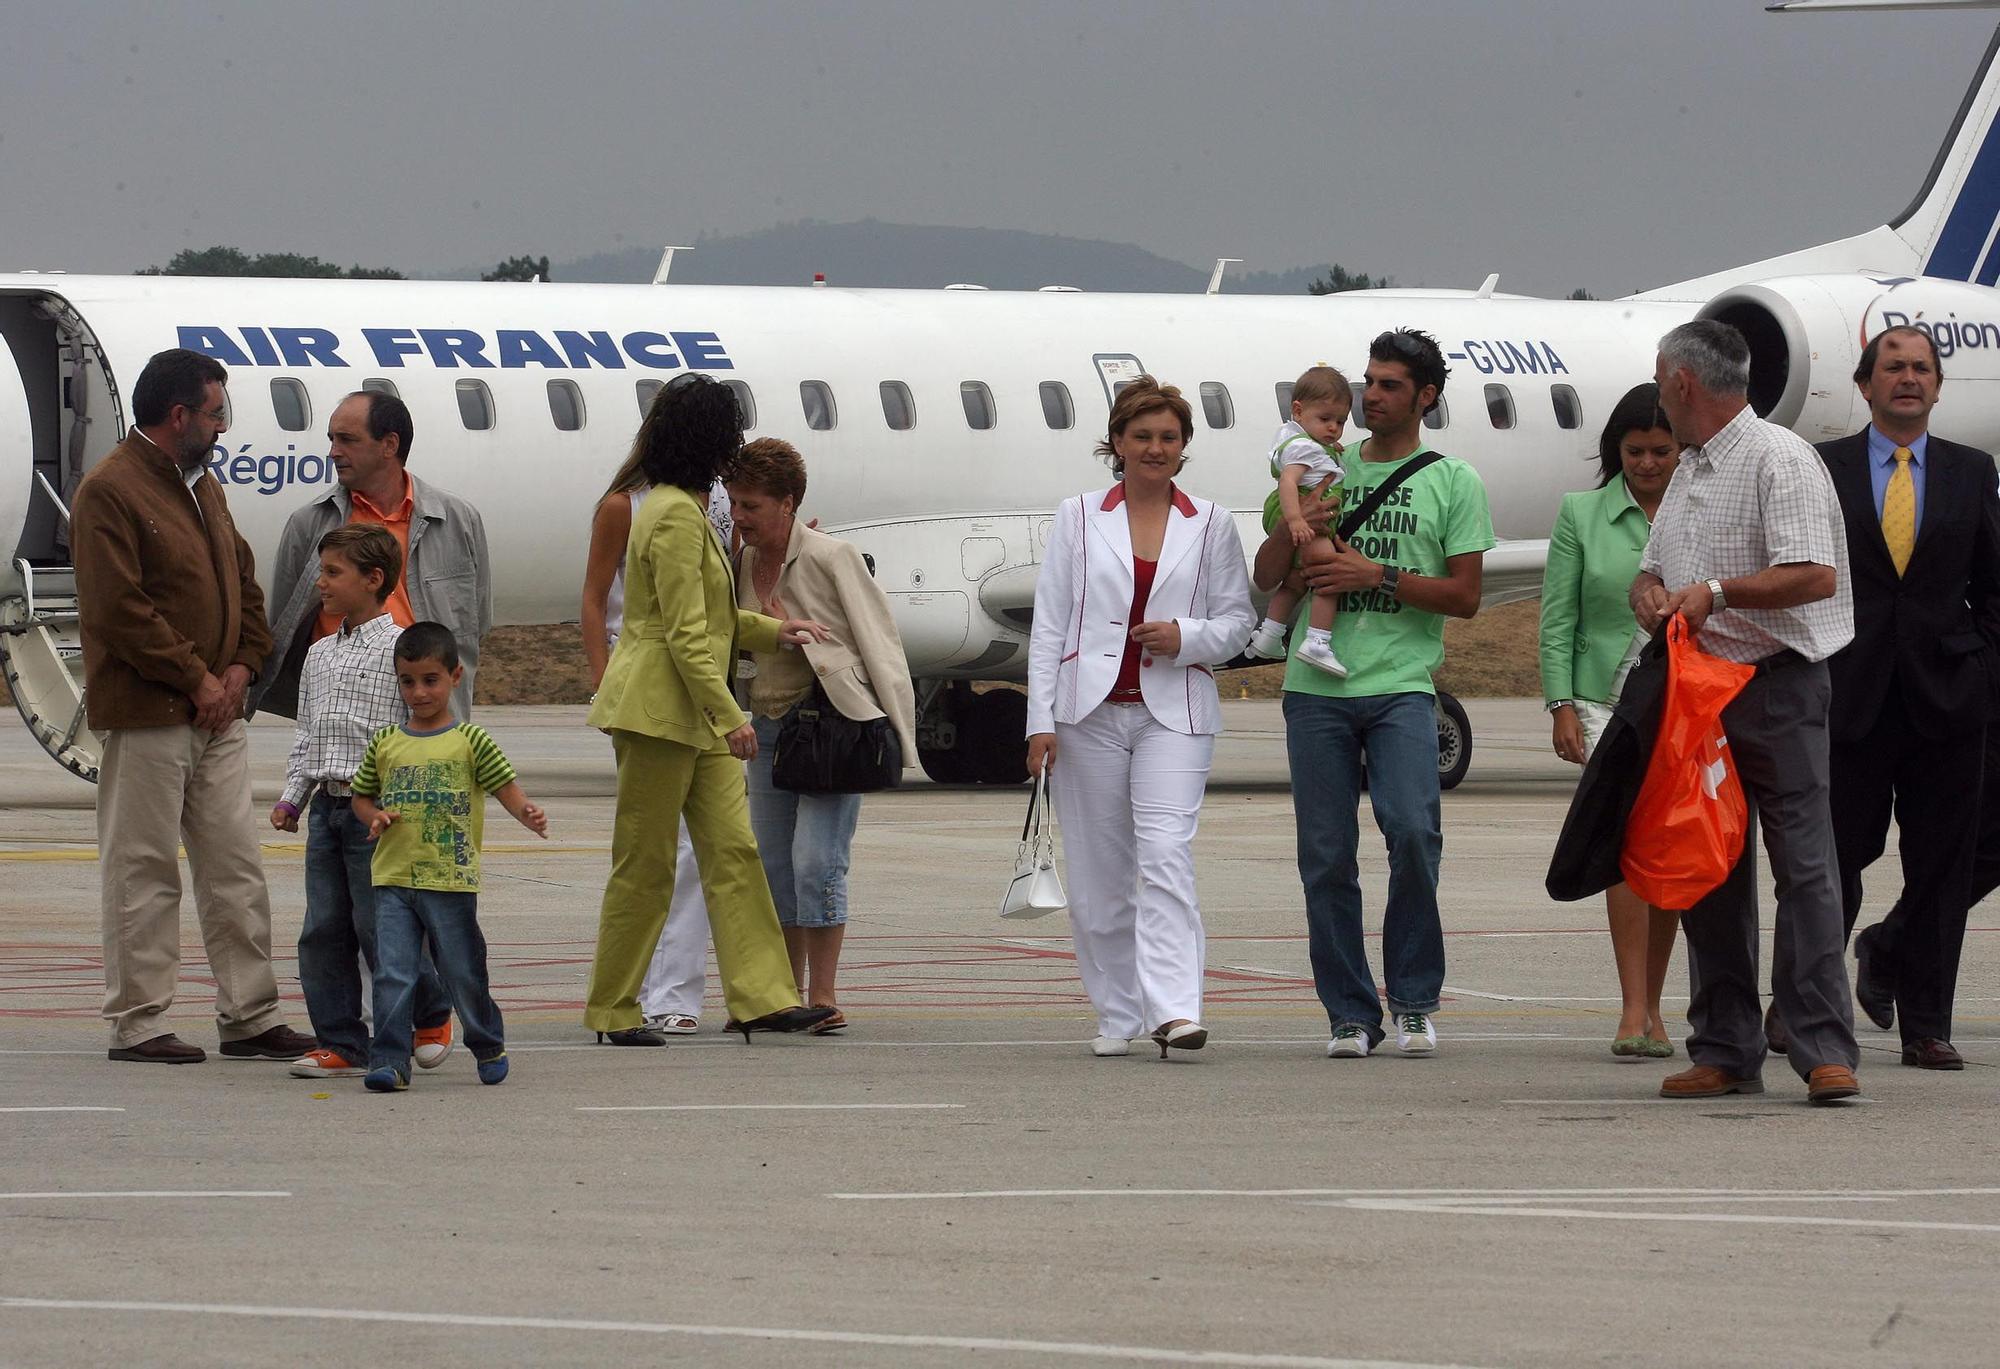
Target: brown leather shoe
(1706, 1081)
(1775, 1033)
(277, 1043)
(1929, 1053)
(1830, 1084)
(160, 1050)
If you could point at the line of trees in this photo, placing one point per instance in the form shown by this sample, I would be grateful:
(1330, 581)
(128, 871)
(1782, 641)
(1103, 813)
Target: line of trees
(233, 261)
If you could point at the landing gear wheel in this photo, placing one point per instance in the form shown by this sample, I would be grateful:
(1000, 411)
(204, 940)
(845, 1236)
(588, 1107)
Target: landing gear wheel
(1454, 742)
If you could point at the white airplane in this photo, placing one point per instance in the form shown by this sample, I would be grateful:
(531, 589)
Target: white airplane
(940, 427)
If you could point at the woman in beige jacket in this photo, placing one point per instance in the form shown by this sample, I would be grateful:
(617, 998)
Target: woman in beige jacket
(804, 839)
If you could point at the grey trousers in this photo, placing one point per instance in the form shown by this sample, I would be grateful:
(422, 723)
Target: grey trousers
(1778, 740)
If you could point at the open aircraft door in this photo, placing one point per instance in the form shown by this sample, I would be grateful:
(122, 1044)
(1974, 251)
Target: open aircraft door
(40, 654)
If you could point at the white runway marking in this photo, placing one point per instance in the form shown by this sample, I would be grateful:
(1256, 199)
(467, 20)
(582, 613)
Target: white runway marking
(62, 1109)
(1646, 1102)
(776, 1107)
(1488, 1195)
(1515, 1206)
(158, 1193)
(1069, 1349)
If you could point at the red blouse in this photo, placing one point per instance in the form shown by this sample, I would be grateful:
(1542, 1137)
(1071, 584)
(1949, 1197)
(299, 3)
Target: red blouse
(1126, 690)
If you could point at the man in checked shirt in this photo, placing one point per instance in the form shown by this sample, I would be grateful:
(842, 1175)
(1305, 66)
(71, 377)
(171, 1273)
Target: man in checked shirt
(347, 691)
(1750, 547)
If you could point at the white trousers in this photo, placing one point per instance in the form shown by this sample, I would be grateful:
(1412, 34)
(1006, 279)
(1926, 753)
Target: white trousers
(1128, 792)
(679, 970)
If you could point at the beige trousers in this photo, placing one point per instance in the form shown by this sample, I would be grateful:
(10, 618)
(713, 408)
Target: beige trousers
(159, 787)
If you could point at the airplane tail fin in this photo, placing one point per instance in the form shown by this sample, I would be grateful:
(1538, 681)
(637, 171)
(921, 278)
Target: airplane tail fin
(1951, 229)
(1951, 225)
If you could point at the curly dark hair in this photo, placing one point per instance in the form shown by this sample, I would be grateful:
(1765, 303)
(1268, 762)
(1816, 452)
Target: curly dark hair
(691, 434)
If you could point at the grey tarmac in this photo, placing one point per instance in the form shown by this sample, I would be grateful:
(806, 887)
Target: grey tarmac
(957, 1179)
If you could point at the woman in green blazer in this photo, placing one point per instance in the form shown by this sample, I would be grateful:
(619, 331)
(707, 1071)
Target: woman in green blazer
(1589, 641)
(679, 737)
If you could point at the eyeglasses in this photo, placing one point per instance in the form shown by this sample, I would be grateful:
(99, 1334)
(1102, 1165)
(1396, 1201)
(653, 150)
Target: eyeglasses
(215, 415)
(687, 379)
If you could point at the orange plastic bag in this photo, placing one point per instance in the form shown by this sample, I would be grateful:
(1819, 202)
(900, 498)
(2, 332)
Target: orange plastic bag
(1689, 821)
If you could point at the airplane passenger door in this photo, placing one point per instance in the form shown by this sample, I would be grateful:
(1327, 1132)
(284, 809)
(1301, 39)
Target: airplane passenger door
(1116, 370)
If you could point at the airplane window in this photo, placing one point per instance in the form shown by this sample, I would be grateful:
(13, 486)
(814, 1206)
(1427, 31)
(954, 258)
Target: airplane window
(1216, 406)
(746, 403)
(1569, 413)
(475, 405)
(566, 405)
(294, 410)
(1437, 417)
(899, 411)
(1500, 406)
(1057, 411)
(817, 398)
(645, 390)
(978, 402)
(1284, 401)
(377, 385)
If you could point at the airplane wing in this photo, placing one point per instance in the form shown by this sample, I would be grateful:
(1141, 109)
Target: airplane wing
(1513, 571)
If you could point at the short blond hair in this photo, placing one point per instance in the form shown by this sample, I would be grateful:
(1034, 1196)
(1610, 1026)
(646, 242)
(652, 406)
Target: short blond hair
(1321, 383)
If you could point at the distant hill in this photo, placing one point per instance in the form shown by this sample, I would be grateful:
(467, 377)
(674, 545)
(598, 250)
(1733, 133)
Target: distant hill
(911, 256)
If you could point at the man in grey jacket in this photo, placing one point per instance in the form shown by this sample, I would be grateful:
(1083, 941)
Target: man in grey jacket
(447, 576)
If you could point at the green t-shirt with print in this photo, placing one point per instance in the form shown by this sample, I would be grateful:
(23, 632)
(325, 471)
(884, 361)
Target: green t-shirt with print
(1387, 646)
(436, 783)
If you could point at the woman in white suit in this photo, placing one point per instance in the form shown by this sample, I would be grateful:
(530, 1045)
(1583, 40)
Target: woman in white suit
(1142, 590)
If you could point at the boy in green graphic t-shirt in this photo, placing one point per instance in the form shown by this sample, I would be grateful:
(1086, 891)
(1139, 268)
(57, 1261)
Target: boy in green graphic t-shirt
(1414, 562)
(421, 788)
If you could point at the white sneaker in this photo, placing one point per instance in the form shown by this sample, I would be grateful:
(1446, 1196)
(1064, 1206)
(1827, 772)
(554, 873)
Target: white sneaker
(1110, 1045)
(1322, 658)
(1267, 643)
(1415, 1034)
(1349, 1042)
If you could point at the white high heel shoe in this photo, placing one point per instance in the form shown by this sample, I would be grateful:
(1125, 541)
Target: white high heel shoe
(1105, 1046)
(1186, 1036)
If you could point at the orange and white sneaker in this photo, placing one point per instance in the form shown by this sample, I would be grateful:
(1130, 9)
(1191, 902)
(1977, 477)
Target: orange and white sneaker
(324, 1064)
(433, 1045)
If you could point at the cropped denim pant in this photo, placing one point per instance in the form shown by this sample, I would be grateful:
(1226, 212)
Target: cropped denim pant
(804, 841)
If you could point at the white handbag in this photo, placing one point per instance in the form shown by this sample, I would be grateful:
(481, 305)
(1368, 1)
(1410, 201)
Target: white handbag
(1036, 889)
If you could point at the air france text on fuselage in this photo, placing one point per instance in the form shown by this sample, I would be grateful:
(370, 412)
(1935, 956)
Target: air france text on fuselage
(451, 349)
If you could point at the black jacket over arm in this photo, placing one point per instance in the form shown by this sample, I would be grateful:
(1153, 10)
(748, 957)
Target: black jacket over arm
(1935, 630)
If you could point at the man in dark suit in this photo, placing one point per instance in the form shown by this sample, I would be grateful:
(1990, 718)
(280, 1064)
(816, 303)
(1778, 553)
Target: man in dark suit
(1912, 693)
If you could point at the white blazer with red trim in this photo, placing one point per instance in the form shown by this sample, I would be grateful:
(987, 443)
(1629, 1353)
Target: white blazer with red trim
(1084, 595)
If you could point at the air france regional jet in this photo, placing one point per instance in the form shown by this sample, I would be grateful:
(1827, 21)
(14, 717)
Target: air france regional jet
(940, 427)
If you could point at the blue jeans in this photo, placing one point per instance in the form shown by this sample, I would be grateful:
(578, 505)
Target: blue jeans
(804, 841)
(340, 925)
(404, 917)
(1325, 740)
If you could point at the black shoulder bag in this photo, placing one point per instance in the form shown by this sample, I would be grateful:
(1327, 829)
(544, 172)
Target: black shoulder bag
(821, 750)
(1365, 510)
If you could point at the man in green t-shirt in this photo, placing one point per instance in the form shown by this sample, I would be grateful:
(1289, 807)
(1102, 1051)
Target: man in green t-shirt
(1416, 561)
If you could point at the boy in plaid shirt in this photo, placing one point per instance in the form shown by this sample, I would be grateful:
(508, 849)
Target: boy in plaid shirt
(347, 692)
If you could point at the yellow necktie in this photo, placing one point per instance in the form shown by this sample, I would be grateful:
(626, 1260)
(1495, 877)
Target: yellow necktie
(1899, 512)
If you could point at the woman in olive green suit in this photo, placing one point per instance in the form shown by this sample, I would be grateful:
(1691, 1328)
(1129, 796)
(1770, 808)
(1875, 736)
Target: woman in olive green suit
(679, 737)
(1589, 641)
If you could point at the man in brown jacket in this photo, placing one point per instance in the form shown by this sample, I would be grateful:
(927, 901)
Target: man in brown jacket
(173, 629)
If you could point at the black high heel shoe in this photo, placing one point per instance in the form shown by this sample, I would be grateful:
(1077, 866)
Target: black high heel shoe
(632, 1036)
(784, 1020)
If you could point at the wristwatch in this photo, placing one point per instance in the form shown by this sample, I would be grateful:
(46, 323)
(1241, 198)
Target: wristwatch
(1554, 704)
(1391, 577)
(1715, 592)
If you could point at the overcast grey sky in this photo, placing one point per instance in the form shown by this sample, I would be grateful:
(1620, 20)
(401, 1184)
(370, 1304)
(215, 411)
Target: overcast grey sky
(1611, 144)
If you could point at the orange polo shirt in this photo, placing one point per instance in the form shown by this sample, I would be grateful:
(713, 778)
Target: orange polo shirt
(398, 523)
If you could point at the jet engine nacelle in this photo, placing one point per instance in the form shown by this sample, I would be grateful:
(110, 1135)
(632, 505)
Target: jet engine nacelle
(1806, 334)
